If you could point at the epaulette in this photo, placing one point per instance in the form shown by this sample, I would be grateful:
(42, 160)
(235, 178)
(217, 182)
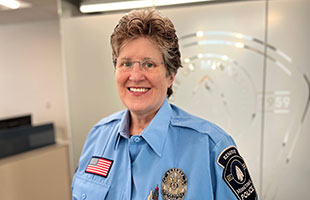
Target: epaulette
(183, 119)
(111, 118)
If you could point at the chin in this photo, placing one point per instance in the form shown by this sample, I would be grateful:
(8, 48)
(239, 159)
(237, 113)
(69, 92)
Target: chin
(136, 108)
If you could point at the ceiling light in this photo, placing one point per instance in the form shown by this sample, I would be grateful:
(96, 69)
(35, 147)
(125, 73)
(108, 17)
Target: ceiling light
(199, 34)
(125, 5)
(175, 2)
(101, 7)
(12, 4)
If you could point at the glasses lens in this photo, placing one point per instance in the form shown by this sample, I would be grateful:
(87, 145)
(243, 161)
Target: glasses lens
(147, 65)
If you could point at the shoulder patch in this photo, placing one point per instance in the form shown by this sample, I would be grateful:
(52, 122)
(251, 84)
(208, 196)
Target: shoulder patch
(236, 174)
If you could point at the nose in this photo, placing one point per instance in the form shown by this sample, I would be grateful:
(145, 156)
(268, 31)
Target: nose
(137, 73)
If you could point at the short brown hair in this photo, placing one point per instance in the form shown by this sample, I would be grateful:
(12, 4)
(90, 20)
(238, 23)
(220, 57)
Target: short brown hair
(149, 23)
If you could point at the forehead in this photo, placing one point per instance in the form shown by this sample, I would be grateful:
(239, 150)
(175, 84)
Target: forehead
(140, 48)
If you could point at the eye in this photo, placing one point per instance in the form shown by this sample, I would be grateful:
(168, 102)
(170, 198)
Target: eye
(148, 64)
(127, 64)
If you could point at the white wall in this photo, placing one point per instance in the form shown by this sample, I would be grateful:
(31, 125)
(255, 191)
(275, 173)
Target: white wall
(31, 74)
(92, 92)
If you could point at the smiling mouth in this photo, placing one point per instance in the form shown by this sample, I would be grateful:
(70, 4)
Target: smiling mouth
(138, 89)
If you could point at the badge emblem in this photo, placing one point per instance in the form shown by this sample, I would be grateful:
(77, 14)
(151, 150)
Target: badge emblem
(174, 184)
(236, 174)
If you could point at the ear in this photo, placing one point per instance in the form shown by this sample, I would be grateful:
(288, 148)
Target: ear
(171, 79)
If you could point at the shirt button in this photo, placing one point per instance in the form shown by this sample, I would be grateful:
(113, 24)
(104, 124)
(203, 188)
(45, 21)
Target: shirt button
(84, 196)
(137, 139)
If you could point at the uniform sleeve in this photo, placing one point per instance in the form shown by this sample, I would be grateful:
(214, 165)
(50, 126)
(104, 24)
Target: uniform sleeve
(83, 158)
(82, 186)
(231, 176)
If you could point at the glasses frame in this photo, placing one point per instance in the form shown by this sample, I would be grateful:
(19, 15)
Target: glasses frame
(140, 62)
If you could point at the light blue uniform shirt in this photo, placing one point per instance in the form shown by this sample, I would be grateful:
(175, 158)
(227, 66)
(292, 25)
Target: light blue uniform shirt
(173, 139)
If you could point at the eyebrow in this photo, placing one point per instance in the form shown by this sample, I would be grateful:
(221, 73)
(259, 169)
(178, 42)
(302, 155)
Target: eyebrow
(146, 58)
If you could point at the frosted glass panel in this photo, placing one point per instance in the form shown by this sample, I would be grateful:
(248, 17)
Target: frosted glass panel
(286, 154)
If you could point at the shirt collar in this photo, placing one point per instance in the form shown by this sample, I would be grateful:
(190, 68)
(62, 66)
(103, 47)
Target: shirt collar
(124, 125)
(123, 130)
(155, 133)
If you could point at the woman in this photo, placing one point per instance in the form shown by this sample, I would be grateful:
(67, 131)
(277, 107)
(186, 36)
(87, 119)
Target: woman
(155, 150)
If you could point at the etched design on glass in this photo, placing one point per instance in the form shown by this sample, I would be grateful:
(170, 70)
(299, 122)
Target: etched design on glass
(221, 81)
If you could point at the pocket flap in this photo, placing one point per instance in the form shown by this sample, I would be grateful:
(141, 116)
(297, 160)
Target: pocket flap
(84, 189)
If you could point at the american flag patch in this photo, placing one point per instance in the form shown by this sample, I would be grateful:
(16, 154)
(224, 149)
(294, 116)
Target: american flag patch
(99, 166)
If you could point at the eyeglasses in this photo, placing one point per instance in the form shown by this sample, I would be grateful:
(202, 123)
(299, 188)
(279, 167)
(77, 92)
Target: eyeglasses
(145, 65)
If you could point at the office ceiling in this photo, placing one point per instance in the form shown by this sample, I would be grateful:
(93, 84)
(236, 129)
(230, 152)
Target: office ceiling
(43, 10)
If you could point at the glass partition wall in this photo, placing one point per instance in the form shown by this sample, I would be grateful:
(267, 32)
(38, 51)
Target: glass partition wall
(246, 67)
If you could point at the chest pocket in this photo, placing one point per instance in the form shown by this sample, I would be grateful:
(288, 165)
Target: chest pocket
(83, 189)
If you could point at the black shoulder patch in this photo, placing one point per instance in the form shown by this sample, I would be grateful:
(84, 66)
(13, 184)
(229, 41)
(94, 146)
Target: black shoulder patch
(236, 174)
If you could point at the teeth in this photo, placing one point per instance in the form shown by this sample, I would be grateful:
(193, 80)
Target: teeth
(138, 89)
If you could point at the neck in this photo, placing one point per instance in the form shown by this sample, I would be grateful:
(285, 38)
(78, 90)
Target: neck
(139, 122)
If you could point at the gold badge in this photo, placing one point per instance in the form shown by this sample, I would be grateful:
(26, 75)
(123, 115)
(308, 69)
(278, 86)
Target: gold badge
(174, 184)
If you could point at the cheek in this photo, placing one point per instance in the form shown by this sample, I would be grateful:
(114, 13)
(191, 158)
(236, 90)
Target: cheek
(119, 83)
(119, 79)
